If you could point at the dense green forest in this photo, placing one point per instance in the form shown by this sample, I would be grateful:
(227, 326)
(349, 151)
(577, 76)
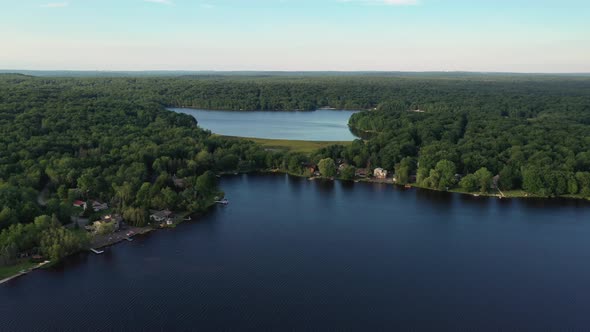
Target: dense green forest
(111, 139)
(534, 134)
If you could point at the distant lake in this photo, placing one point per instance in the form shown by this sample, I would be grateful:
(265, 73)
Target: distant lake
(320, 125)
(291, 254)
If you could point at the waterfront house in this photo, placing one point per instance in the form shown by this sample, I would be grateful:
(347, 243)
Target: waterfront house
(312, 168)
(160, 216)
(361, 172)
(380, 173)
(98, 206)
(116, 219)
(80, 204)
(107, 224)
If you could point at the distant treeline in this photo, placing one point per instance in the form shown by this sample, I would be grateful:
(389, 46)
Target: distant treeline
(270, 92)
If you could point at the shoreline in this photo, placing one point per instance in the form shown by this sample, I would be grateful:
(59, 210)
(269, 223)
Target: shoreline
(511, 194)
(193, 107)
(24, 272)
(115, 238)
(122, 236)
(307, 147)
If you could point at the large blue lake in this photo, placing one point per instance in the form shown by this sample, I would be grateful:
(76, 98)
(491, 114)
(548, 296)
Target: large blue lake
(292, 254)
(320, 125)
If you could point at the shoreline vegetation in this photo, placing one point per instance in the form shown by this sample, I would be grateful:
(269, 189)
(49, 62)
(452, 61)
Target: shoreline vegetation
(26, 266)
(8, 273)
(512, 194)
(11, 272)
(111, 141)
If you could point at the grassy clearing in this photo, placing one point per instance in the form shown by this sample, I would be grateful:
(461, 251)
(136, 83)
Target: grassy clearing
(292, 145)
(9, 271)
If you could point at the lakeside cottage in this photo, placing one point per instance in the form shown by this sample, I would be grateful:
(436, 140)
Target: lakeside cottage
(107, 224)
(80, 204)
(361, 172)
(116, 219)
(161, 216)
(312, 168)
(380, 173)
(98, 206)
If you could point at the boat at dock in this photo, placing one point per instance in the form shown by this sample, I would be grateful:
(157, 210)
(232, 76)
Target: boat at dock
(222, 202)
(98, 252)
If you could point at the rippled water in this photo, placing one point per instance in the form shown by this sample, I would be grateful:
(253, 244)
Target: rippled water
(320, 125)
(289, 253)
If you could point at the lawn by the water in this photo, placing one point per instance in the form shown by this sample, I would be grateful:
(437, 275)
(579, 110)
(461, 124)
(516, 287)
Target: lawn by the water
(9, 271)
(291, 145)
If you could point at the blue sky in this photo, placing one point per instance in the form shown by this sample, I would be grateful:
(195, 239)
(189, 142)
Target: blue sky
(394, 35)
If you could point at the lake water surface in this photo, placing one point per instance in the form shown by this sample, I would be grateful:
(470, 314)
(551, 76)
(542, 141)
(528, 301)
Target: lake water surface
(320, 125)
(288, 253)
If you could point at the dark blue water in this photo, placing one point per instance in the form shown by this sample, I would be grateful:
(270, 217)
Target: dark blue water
(289, 253)
(320, 125)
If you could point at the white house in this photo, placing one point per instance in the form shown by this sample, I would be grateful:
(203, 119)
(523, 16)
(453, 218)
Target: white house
(380, 173)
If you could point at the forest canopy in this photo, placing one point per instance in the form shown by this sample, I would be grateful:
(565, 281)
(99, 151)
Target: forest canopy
(111, 139)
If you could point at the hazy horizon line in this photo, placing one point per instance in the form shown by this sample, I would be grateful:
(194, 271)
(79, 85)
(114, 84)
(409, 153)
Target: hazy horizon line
(10, 70)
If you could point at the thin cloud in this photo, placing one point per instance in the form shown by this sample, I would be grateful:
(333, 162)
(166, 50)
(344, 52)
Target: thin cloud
(386, 2)
(55, 5)
(399, 2)
(162, 2)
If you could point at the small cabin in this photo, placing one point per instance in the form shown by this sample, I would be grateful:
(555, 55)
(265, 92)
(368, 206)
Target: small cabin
(312, 168)
(361, 172)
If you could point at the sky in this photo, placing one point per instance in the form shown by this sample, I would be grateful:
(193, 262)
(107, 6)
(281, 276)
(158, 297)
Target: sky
(549, 36)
